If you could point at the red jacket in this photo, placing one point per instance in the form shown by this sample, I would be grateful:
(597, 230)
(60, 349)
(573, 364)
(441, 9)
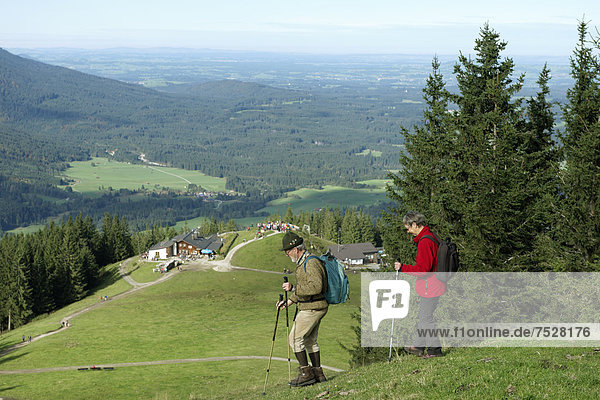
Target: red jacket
(427, 284)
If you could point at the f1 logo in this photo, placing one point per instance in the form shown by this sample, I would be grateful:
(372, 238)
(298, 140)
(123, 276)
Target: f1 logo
(389, 299)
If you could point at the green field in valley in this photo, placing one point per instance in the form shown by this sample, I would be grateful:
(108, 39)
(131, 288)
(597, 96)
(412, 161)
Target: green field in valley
(99, 174)
(312, 199)
(333, 196)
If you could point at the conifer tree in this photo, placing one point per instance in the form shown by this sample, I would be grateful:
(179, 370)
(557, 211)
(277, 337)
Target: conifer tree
(230, 227)
(316, 223)
(473, 171)
(89, 250)
(350, 228)
(491, 191)
(15, 289)
(71, 265)
(289, 216)
(52, 259)
(420, 183)
(541, 161)
(37, 275)
(423, 181)
(367, 230)
(107, 240)
(331, 224)
(122, 239)
(579, 222)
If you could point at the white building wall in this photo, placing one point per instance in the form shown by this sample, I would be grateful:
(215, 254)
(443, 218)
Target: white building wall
(160, 254)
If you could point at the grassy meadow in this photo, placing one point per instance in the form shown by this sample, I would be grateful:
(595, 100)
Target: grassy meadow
(195, 314)
(141, 271)
(100, 173)
(333, 196)
(202, 314)
(252, 256)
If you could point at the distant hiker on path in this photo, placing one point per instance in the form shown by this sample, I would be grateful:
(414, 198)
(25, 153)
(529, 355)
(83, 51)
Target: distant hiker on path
(428, 287)
(311, 284)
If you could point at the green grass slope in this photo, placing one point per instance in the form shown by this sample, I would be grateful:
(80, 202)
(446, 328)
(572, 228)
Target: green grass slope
(466, 373)
(333, 196)
(195, 314)
(204, 314)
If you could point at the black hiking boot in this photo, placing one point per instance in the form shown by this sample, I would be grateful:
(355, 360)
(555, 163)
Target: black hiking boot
(433, 352)
(315, 360)
(319, 375)
(415, 351)
(305, 377)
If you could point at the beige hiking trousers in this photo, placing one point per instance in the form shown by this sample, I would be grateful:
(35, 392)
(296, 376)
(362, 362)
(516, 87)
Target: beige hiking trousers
(305, 330)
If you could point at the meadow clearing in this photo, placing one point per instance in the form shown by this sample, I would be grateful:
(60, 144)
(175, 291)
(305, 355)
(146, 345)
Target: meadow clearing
(307, 199)
(98, 174)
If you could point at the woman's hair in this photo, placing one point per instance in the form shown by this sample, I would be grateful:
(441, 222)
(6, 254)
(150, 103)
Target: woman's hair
(413, 216)
(301, 247)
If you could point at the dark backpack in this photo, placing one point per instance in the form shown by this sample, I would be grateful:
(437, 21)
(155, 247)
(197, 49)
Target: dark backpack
(447, 262)
(337, 281)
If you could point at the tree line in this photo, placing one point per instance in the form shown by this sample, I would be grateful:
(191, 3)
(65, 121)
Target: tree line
(490, 169)
(344, 226)
(58, 265)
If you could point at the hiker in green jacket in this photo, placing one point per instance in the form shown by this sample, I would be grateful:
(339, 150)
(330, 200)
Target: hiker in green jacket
(308, 293)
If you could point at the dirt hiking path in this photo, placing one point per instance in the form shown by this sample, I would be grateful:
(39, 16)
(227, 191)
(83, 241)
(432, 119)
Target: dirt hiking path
(161, 362)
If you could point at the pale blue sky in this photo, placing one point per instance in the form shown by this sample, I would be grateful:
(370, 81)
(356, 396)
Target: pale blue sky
(300, 26)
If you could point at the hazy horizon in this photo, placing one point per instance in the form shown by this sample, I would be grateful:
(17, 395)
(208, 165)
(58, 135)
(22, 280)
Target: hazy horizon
(309, 27)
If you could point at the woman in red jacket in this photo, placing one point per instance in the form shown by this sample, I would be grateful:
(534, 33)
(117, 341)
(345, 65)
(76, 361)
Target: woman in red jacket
(428, 287)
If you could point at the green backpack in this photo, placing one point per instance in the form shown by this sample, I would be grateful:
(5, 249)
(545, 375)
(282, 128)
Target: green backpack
(337, 281)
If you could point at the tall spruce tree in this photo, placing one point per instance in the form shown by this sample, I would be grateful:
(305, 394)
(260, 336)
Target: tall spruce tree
(423, 181)
(37, 276)
(367, 230)
(579, 222)
(70, 260)
(289, 216)
(541, 161)
(492, 187)
(350, 228)
(14, 308)
(89, 250)
(420, 183)
(331, 224)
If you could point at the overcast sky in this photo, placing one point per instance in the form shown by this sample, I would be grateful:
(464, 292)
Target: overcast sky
(540, 27)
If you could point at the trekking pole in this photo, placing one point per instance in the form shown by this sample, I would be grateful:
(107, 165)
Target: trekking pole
(287, 332)
(272, 344)
(392, 332)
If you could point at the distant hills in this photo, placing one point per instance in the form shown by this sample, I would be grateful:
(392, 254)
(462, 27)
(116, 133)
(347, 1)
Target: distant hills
(233, 91)
(33, 89)
(264, 140)
(197, 130)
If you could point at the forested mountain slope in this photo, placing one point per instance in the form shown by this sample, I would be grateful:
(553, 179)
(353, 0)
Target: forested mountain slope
(245, 132)
(264, 140)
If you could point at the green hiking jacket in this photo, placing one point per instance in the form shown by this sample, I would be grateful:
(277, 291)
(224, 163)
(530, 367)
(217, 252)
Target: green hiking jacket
(311, 284)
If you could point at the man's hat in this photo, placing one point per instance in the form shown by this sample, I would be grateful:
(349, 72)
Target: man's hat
(290, 240)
